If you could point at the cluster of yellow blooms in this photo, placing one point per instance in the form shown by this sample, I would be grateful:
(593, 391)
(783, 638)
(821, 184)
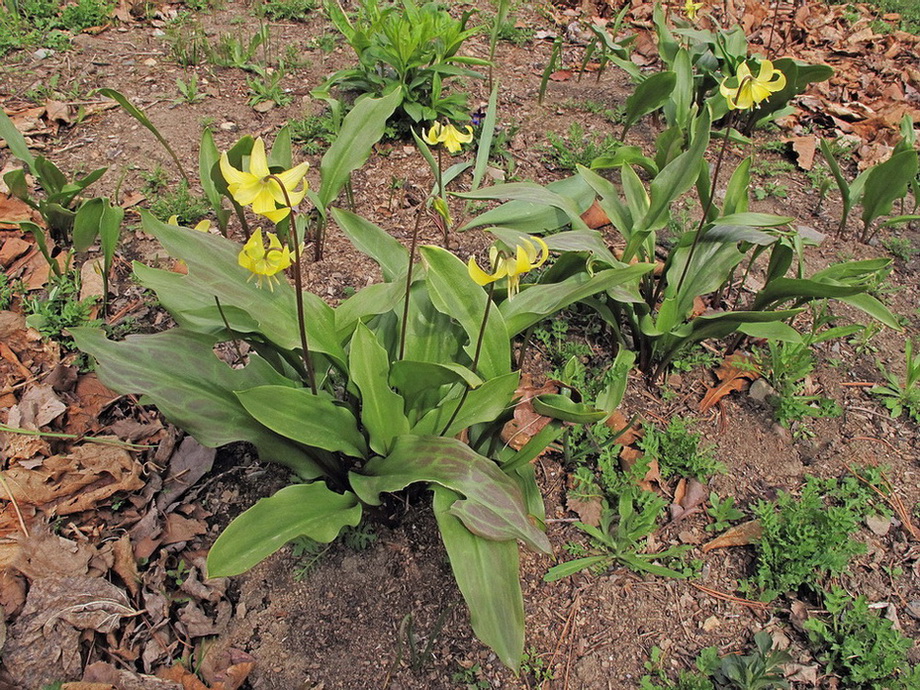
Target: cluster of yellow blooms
(274, 195)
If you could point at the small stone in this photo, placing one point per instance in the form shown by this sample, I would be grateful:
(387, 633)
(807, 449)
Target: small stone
(878, 524)
(913, 609)
(150, 62)
(158, 32)
(264, 106)
(42, 53)
(711, 623)
(761, 390)
(228, 126)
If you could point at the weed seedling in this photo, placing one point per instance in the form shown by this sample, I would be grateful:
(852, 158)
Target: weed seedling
(899, 395)
(722, 511)
(578, 147)
(314, 133)
(678, 451)
(60, 310)
(861, 648)
(900, 247)
(166, 199)
(804, 540)
(286, 10)
(188, 90)
(266, 86)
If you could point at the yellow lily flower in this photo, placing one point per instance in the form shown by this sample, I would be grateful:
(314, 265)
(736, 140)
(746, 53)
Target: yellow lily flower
(202, 226)
(526, 258)
(692, 9)
(452, 138)
(744, 90)
(264, 262)
(255, 187)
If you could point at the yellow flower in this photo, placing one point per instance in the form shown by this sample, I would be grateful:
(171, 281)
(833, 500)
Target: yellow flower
(264, 263)
(744, 90)
(692, 8)
(452, 138)
(202, 226)
(503, 265)
(257, 188)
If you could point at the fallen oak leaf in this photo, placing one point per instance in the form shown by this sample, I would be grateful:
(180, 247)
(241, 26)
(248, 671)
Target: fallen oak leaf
(526, 422)
(734, 373)
(688, 497)
(740, 535)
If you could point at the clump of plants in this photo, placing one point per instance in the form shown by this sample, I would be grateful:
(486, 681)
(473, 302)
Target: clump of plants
(861, 648)
(902, 395)
(804, 540)
(409, 47)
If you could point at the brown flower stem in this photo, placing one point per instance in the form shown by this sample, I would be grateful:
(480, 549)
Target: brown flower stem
(298, 288)
(772, 26)
(236, 345)
(482, 333)
(405, 314)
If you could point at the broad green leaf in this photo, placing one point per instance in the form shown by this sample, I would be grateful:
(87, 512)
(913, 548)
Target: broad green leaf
(648, 96)
(301, 510)
(538, 301)
(484, 147)
(563, 408)
(312, 420)
(488, 575)
(378, 298)
(874, 308)
(281, 155)
(375, 242)
(677, 176)
(179, 373)
(411, 378)
(381, 407)
(775, 330)
(361, 129)
(213, 270)
(531, 193)
(15, 141)
(736, 193)
(887, 182)
(454, 293)
(537, 217)
(757, 220)
(86, 223)
(493, 507)
(483, 404)
(618, 375)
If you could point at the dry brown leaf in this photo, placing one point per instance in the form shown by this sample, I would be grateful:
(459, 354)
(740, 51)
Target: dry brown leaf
(91, 397)
(805, 148)
(617, 421)
(38, 407)
(13, 210)
(628, 458)
(688, 497)
(589, 512)
(595, 217)
(734, 374)
(740, 535)
(561, 75)
(43, 554)
(189, 463)
(179, 529)
(75, 482)
(226, 669)
(178, 674)
(125, 566)
(44, 642)
(526, 422)
(12, 249)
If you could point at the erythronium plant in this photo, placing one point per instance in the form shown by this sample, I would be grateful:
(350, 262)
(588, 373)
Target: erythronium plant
(392, 379)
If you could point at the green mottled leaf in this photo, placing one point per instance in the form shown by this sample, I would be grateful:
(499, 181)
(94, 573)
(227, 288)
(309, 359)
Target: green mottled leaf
(488, 575)
(493, 506)
(381, 407)
(179, 373)
(301, 510)
(312, 420)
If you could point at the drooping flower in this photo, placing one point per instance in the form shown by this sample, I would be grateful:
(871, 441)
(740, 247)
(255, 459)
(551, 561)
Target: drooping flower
(452, 138)
(744, 91)
(264, 262)
(692, 8)
(528, 255)
(264, 193)
(201, 226)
